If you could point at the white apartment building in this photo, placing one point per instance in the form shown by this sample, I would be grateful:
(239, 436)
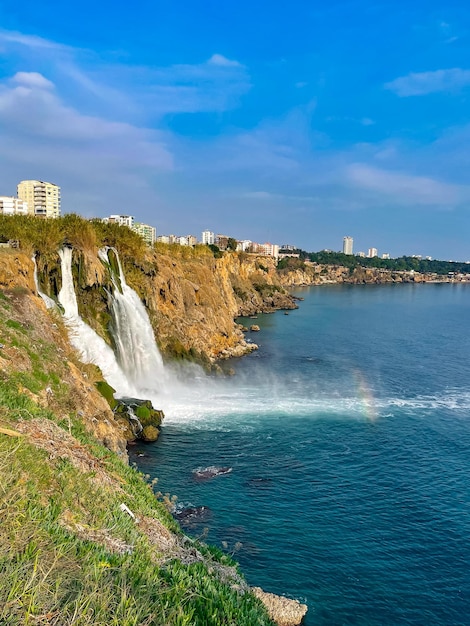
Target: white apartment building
(43, 198)
(208, 237)
(244, 245)
(372, 253)
(348, 245)
(122, 220)
(147, 232)
(269, 249)
(9, 205)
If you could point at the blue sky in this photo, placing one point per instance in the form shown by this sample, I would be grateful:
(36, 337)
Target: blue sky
(290, 122)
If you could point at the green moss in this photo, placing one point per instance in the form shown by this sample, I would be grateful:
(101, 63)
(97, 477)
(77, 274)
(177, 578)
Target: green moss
(107, 392)
(142, 412)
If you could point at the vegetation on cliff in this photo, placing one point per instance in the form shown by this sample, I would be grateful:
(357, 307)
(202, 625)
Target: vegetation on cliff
(83, 538)
(400, 264)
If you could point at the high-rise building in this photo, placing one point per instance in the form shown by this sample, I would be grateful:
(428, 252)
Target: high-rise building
(148, 233)
(43, 198)
(372, 253)
(208, 237)
(9, 205)
(348, 245)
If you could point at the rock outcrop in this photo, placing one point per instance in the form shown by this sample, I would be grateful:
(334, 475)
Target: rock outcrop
(283, 611)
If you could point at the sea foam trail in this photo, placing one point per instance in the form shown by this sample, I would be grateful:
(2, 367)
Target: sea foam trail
(91, 347)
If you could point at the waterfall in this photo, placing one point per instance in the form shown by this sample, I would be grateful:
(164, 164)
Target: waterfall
(92, 347)
(136, 350)
(49, 302)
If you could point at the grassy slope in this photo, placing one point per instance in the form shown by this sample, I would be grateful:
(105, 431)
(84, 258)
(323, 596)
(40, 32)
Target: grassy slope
(68, 553)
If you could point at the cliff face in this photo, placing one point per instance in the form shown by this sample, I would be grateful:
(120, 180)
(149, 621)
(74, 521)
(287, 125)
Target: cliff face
(192, 298)
(316, 274)
(56, 379)
(193, 302)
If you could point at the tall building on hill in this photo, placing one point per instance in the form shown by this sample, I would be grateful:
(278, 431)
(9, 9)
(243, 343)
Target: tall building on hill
(43, 198)
(372, 253)
(147, 232)
(208, 237)
(9, 205)
(348, 245)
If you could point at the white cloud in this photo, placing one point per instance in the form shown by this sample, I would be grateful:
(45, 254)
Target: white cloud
(30, 41)
(42, 137)
(219, 59)
(140, 93)
(259, 195)
(403, 188)
(32, 79)
(419, 84)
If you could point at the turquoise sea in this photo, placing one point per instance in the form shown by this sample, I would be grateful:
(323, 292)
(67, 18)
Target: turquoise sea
(348, 438)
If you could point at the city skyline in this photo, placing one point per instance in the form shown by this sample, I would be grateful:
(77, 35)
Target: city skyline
(302, 122)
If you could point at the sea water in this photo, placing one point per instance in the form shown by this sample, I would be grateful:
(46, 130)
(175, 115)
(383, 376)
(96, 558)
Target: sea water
(348, 435)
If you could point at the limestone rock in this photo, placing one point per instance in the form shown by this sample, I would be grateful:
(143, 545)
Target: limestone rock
(283, 611)
(150, 433)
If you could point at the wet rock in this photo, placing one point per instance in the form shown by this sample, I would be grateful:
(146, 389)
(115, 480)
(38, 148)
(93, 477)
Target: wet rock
(141, 420)
(206, 473)
(193, 515)
(255, 327)
(150, 433)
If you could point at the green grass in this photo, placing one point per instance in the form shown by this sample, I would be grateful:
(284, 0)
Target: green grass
(47, 569)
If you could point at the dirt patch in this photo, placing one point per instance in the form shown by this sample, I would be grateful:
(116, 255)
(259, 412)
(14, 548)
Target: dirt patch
(59, 444)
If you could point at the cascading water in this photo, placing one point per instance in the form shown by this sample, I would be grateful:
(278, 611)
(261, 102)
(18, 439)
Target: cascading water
(49, 302)
(92, 347)
(137, 352)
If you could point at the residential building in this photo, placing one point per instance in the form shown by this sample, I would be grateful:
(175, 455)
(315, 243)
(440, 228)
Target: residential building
(269, 249)
(361, 255)
(163, 239)
(208, 237)
(372, 253)
(148, 233)
(9, 205)
(122, 220)
(43, 198)
(221, 241)
(244, 245)
(348, 245)
(385, 255)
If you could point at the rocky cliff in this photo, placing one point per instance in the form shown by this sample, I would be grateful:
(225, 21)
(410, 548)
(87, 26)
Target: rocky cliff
(192, 298)
(303, 274)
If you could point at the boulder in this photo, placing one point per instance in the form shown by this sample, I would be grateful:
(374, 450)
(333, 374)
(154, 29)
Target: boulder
(283, 611)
